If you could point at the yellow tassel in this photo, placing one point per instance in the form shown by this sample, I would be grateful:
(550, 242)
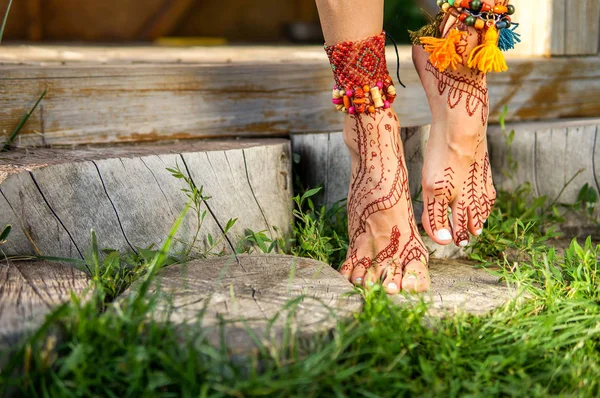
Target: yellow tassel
(443, 51)
(487, 57)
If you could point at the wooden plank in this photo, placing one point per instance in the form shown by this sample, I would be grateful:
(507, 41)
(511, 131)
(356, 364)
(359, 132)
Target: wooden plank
(558, 27)
(250, 293)
(124, 103)
(127, 196)
(165, 19)
(29, 291)
(582, 27)
(35, 27)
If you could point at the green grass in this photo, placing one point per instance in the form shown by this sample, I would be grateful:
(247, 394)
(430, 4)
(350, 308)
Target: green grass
(545, 342)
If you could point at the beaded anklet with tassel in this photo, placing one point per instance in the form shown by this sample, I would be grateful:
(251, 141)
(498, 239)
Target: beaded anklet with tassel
(499, 35)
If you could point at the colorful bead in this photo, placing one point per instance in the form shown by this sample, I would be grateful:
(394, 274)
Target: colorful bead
(337, 101)
(386, 104)
(380, 85)
(479, 24)
(500, 9)
(510, 9)
(351, 110)
(462, 17)
(349, 93)
(470, 20)
(475, 5)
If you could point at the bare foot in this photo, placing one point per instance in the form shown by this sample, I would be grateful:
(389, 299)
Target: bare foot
(456, 172)
(385, 244)
(384, 240)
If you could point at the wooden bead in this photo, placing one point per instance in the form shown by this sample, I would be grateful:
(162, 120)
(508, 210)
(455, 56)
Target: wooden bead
(510, 9)
(376, 96)
(445, 7)
(500, 9)
(463, 17)
(391, 90)
(371, 109)
(366, 88)
(470, 20)
(475, 5)
(479, 24)
(346, 102)
(486, 7)
(454, 12)
(335, 93)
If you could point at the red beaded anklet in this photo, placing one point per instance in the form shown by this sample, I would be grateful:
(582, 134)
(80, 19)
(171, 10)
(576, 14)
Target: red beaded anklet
(362, 82)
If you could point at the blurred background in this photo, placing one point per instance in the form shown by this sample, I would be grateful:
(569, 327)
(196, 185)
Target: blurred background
(187, 21)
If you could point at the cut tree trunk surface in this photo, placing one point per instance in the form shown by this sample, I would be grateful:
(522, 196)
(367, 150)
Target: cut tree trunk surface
(249, 291)
(119, 94)
(54, 197)
(29, 290)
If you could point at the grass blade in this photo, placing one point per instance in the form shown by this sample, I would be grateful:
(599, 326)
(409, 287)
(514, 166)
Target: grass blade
(21, 123)
(5, 19)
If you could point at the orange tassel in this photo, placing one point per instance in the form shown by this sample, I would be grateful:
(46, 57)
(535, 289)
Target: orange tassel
(443, 51)
(487, 56)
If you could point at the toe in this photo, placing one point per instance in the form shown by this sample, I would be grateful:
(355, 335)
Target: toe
(435, 220)
(459, 222)
(393, 279)
(359, 272)
(475, 224)
(346, 269)
(416, 277)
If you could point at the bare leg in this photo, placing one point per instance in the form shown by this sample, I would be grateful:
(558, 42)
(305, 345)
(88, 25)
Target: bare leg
(385, 244)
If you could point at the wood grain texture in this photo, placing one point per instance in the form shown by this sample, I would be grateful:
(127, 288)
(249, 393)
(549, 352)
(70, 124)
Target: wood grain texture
(549, 155)
(54, 197)
(457, 286)
(231, 94)
(28, 291)
(558, 27)
(249, 293)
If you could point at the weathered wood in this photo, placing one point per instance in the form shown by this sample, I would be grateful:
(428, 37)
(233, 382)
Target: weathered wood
(458, 286)
(251, 290)
(549, 155)
(54, 197)
(229, 93)
(558, 27)
(28, 291)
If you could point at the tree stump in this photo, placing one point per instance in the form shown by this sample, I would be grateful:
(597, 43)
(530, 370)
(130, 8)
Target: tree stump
(28, 291)
(54, 197)
(264, 295)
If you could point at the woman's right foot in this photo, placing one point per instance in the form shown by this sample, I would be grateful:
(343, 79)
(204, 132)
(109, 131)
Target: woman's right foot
(458, 192)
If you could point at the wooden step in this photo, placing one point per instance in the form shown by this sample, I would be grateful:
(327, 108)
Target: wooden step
(54, 197)
(29, 290)
(118, 94)
(247, 292)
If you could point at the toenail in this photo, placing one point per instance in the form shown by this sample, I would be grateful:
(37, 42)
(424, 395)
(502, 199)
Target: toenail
(371, 283)
(411, 277)
(479, 232)
(444, 234)
(464, 243)
(358, 280)
(392, 286)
